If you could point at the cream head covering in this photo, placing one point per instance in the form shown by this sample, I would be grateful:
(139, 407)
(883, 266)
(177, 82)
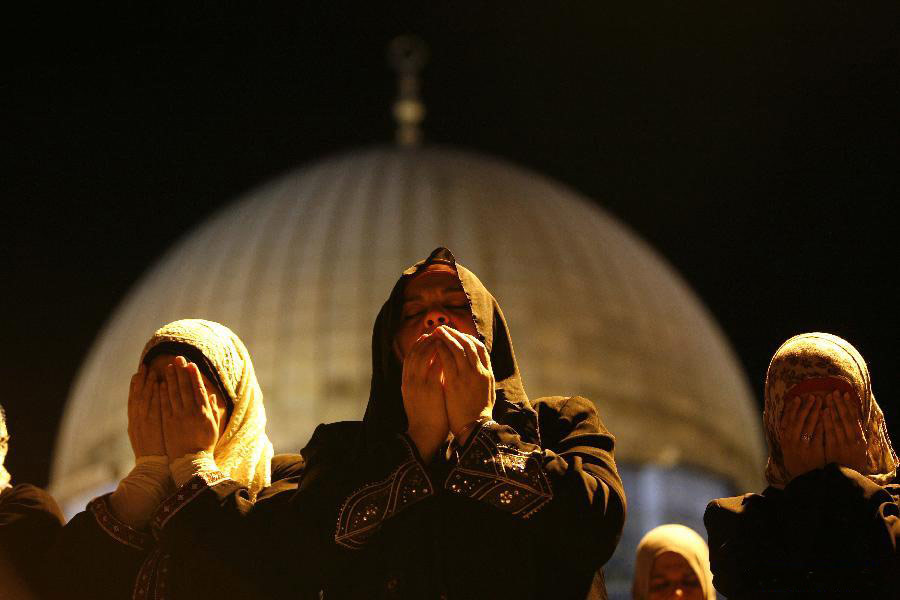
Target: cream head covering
(4, 446)
(681, 540)
(244, 452)
(817, 356)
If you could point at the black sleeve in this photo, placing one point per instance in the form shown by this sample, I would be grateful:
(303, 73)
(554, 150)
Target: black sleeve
(569, 487)
(828, 530)
(29, 523)
(242, 548)
(96, 556)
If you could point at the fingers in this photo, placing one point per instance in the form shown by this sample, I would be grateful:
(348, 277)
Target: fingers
(837, 416)
(172, 392)
(165, 402)
(812, 420)
(465, 342)
(458, 353)
(819, 435)
(185, 389)
(146, 394)
(848, 419)
(483, 355)
(198, 389)
(133, 394)
(802, 414)
(834, 435)
(448, 361)
(418, 359)
(476, 351)
(153, 401)
(789, 415)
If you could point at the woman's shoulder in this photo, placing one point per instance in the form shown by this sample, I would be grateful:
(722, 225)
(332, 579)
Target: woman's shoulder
(738, 507)
(27, 498)
(330, 440)
(287, 465)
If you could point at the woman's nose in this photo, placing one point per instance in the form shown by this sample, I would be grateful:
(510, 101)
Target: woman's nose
(435, 318)
(679, 593)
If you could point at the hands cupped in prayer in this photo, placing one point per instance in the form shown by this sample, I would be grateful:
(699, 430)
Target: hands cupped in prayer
(190, 415)
(822, 429)
(845, 440)
(447, 384)
(801, 435)
(144, 416)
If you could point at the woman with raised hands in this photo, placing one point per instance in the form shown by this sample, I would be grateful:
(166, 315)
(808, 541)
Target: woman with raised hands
(455, 484)
(195, 409)
(828, 522)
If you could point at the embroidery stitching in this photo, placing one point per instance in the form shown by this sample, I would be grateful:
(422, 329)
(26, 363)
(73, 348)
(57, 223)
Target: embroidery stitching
(115, 528)
(503, 476)
(363, 511)
(146, 576)
(190, 490)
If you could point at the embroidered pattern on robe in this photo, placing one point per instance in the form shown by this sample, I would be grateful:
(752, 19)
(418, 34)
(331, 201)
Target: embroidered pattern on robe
(365, 510)
(116, 529)
(503, 476)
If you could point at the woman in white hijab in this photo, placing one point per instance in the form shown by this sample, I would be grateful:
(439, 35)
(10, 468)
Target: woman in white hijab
(672, 562)
(120, 546)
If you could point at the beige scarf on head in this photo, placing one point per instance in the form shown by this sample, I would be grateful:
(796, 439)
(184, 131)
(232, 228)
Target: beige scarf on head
(244, 452)
(4, 442)
(815, 355)
(681, 540)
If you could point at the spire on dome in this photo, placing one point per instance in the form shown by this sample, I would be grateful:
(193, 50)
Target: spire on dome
(407, 55)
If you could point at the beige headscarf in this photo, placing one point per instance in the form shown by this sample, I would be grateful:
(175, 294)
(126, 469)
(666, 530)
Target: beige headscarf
(4, 444)
(818, 355)
(681, 540)
(244, 452)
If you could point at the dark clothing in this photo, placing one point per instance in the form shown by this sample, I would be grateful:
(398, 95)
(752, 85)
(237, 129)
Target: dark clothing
(100, 557)
(531, 507)
(829, 533)
(29, 522)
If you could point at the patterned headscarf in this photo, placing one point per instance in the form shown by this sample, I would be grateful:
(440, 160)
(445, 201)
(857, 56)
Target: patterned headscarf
(4, 441)
(244, 452)
(816, 356)
(681, 540)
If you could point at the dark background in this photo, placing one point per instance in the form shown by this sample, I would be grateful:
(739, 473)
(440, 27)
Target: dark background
(754, 145)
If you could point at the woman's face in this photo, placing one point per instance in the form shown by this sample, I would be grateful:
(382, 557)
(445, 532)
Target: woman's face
(672, 577)
(433, 298)
(157, 369)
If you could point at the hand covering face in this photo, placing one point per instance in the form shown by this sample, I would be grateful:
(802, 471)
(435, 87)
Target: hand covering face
(681, 540)
(824, 356)
(243, 452)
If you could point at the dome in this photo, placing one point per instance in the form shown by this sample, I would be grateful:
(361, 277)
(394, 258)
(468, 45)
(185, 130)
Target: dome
(300, 267)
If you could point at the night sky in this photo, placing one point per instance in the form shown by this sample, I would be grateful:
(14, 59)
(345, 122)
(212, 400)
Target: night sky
(755, 145)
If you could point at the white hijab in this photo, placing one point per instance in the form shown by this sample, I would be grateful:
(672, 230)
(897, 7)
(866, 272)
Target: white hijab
(244, 452)
(681, 540)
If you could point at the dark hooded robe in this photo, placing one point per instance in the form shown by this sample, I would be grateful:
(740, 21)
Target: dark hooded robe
(530, 507)
(30, 520)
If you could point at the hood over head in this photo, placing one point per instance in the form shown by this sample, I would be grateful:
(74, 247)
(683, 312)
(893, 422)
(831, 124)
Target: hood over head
(385, 415)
